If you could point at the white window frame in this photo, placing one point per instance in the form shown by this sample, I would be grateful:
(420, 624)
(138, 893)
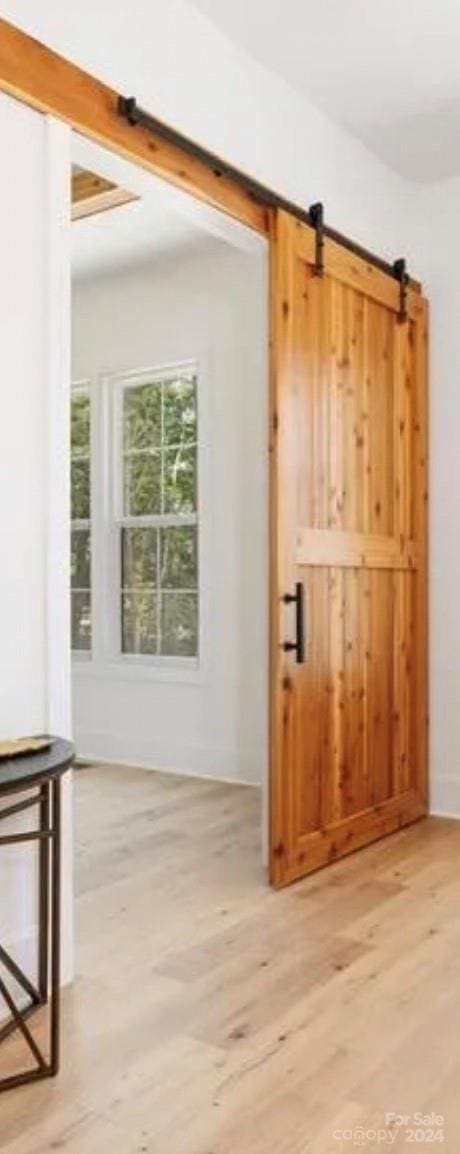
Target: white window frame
(84, 387)
(119, 384)
(105, 661)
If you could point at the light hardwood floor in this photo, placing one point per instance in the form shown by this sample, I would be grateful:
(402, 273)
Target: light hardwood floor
(211, 1015)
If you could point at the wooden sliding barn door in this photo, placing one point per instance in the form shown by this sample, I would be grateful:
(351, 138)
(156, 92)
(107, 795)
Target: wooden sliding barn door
(349, 551)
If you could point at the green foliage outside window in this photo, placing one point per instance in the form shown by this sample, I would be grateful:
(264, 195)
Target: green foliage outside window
(160, 563)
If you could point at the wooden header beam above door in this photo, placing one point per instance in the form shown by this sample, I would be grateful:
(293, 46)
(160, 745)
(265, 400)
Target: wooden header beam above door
(41, 78)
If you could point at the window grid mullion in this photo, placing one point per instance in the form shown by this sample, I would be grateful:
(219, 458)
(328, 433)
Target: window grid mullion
(145, 451)
(159, 546)
(162, 446)
(150, 588)
(158, 521)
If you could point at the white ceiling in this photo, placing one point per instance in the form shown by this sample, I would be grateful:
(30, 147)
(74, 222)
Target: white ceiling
(389, 70)
(131, 234)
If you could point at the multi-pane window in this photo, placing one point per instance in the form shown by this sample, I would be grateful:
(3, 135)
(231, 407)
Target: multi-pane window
(81, 519)
(158, 524)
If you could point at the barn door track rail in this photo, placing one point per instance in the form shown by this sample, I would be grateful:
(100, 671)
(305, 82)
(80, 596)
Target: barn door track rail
(129, 110)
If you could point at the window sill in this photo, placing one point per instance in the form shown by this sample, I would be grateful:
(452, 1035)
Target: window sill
(188, 671)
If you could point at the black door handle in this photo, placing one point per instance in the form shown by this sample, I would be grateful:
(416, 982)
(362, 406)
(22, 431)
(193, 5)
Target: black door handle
(297, 598)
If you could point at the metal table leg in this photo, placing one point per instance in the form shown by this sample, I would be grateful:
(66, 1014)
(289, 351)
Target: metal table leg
(48, 836)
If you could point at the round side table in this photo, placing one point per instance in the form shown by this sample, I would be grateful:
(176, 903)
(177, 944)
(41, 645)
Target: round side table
(39, 776)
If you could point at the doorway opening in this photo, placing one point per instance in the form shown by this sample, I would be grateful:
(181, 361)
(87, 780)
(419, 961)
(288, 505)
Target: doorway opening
(169, 486)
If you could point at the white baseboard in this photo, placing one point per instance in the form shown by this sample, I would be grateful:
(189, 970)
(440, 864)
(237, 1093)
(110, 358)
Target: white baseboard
(242, 767)
(445, 797)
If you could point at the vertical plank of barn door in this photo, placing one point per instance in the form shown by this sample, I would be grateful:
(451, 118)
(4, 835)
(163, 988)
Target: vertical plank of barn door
(352, 761)
(310, 496)
(355, 518)
(320, 625)
(350, 518)
(333, 305)
(283, 526)
(403, 420)
(380, 414)
(403, 402)
(379, 596)
(324, 624)
(366, 785)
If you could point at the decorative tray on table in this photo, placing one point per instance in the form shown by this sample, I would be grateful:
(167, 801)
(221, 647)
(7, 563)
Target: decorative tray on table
(17, 746)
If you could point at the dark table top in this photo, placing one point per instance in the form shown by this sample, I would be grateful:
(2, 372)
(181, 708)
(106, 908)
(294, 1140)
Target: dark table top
(30, 768)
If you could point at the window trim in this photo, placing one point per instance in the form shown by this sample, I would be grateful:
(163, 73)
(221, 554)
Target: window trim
(117, 384)
(83, 386)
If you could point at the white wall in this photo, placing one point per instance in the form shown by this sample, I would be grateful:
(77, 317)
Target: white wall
(23, 703)
(30, 314)
(211, 307)
(22, 422)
